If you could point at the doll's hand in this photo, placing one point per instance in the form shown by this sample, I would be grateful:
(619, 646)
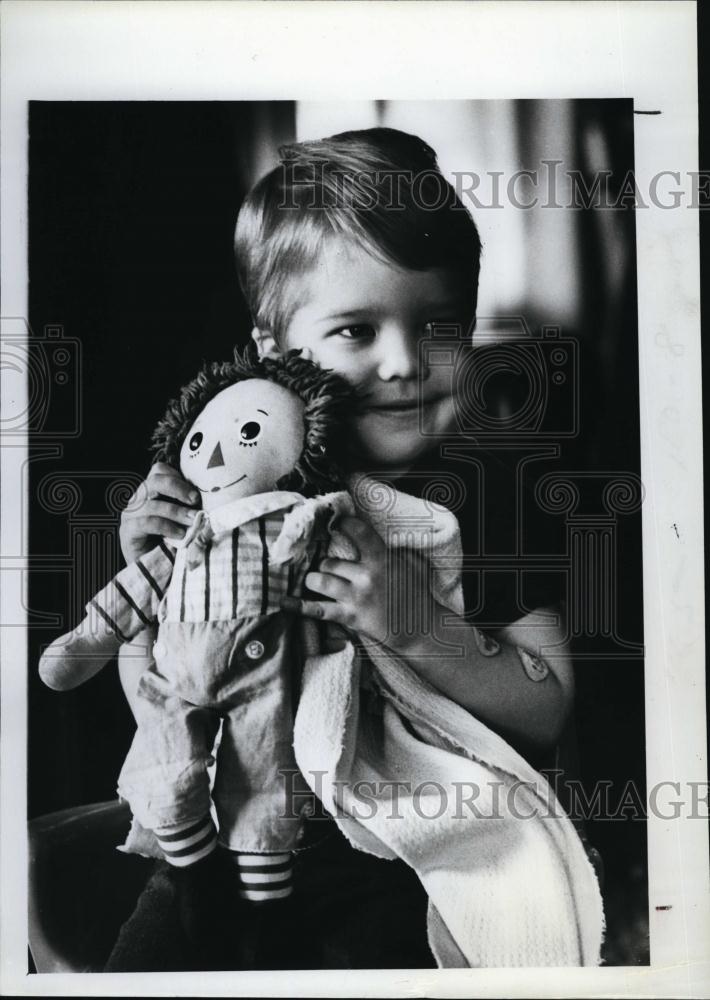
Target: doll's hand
(157, 509)
(373, 596)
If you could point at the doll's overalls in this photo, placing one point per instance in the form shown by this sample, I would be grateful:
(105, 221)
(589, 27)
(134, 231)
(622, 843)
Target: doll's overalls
(225, 652)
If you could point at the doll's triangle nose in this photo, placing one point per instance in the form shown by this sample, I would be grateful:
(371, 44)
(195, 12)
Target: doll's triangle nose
(216, 458)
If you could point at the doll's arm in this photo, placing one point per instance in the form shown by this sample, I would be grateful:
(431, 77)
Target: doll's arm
(312, 518)
(115, 615)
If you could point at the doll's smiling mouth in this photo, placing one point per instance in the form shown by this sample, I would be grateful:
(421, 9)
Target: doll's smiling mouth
(216, 489)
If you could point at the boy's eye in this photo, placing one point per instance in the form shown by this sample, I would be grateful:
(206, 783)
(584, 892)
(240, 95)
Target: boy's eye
(249, 433)
(195, 441)
(357, 331)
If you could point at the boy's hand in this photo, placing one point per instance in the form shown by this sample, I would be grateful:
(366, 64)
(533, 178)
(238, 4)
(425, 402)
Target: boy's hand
(156, 509)
(371, 594)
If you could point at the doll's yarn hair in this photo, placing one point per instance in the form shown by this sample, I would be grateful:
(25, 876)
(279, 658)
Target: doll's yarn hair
(326, 396)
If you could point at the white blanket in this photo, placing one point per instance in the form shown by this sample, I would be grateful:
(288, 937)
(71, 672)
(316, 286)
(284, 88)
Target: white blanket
(503, 890)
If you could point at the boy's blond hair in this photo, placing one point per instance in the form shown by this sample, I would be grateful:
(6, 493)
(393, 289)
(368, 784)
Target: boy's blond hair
(379, 187)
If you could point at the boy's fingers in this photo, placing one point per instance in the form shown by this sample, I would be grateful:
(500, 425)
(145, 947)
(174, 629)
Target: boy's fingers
(171, 485)
(344, 568)
(330, 586)
(324, 610)
(160, 526)
(163, 509)
(171, 512)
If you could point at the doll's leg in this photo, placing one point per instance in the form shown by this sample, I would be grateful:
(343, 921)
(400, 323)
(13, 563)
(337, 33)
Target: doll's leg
(184, 844)
(165, 778)
(256, 765)
(264, 877)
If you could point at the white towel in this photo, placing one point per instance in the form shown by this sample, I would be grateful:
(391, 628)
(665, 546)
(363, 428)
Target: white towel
(503, 891)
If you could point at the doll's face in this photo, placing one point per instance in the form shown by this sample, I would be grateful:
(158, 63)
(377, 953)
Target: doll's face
(244, 440)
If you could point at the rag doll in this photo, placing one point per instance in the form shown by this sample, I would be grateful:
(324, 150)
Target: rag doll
(257, 438)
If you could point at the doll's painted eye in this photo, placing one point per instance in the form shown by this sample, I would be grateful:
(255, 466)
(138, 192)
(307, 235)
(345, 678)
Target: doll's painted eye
(249, 432)
(195, 441)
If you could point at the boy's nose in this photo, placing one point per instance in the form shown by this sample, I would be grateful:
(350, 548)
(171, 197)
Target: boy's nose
(399, 356)
(216, 458)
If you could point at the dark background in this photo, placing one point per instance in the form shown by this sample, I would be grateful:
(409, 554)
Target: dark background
(132, 209)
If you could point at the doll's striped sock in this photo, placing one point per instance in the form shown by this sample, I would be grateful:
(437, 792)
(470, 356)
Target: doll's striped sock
(185, 843)
(264, 877)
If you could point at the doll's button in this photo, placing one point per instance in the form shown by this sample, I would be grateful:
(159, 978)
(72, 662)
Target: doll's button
(254, 649)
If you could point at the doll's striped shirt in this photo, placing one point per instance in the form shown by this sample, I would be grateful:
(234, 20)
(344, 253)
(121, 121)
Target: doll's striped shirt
(234, 581)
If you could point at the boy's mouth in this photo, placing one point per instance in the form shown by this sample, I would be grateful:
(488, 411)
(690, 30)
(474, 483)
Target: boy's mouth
(395, 407)
(403, 406)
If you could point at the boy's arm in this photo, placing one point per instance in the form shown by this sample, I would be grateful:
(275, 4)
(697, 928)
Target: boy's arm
(507, 682)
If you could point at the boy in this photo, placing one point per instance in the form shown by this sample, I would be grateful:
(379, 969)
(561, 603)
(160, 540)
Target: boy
(353, 250)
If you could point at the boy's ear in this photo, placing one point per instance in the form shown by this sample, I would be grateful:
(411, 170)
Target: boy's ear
(264, 340)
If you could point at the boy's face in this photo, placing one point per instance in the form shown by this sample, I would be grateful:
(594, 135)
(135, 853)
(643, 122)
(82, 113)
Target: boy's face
(366, 319)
